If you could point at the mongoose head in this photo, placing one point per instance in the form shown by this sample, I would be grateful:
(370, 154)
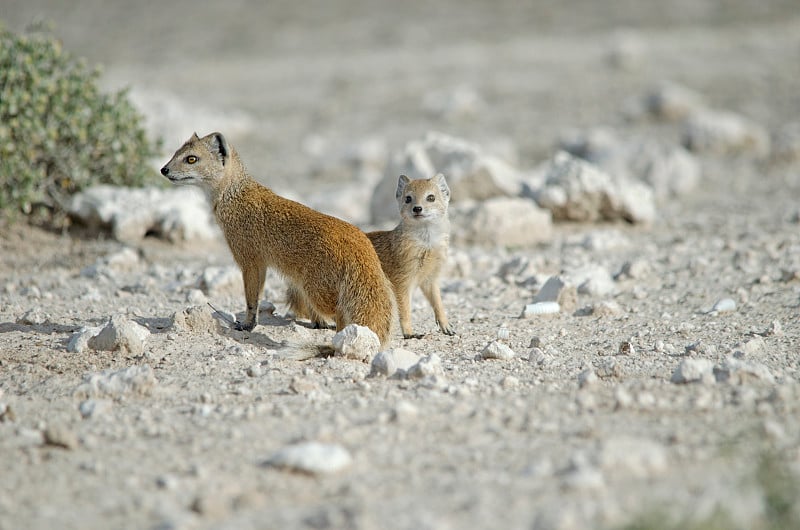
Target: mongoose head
(203, 162)
(422, 200)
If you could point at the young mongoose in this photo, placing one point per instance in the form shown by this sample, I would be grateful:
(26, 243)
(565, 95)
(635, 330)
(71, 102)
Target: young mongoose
(329, 264)
(414, 252)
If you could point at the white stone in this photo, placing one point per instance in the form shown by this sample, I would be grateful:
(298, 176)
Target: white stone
(738, 372)
(356, 342)
(174, 214)
(197, 319)
(497, 350)
(540, 308)
(393, 361)
(121, 334)
(314, 458)
(92, 407)
(115, 384)
(500, 221)
(722, 133)
(586, 378)
(430, 366)
(217, 279)
(593, 280)
(694, 371)
(79, 341)
(724, 305)
(576, 190)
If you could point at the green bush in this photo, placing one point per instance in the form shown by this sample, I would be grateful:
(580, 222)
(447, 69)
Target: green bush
(58, 132)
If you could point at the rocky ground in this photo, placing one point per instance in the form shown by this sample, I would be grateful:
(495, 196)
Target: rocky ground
(664, 393)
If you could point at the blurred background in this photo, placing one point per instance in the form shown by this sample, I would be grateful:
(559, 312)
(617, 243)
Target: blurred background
(304, 88)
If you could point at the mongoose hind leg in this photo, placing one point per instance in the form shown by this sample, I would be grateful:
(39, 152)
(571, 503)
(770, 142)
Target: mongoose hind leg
(432, 293)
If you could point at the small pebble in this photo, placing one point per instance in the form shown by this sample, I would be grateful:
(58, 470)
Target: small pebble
(60, 436)
(314, 458)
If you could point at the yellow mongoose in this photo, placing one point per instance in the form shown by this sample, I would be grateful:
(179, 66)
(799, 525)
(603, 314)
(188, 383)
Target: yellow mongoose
(329, 264)
(414, 252)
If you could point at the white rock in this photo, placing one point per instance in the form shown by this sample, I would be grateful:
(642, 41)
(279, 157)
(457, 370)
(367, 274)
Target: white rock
(314, 458)
(356, 342)
(497, 350)
(79, 341)
(737, 372)
(641, 458)
(671, 101)
(551, 290)
(33, 317)
(430, 366)
(92, 408)
(540, 308)
(197, 319)
(471, 172)
(724, 133)
(404, 411)
(121, 334)
(174, 214)
(501, 221)
(694, 371)
(115, 384)
(587, 377)
(724, 305)
(218, 279)
(576, 190)
(593, 280)
(393, 361)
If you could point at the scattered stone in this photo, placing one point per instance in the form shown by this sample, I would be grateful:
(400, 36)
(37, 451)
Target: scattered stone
(430, 366)
(79, 341)
(218, 279)
(609, 368)
(33, 317)
(395, 361)
(60, 436)
(724, 305)
(694, 371)
(576, 190)
(540, 309)
(497, 350)
(556, 289)
(471, 172)
(593, 280)
(626, 348)
(724, 133)
(121, 334)
(404, 411)
(501, 221)
(313, 458)
(174, 214)
(587, 378)
(255, 370)
(671, 102)
(737, 372)
(356, 342)
(774, 329)
(114, 384)
(607, 308)
(196, 319)
(641, 458)
(91, 408)
(635, 269)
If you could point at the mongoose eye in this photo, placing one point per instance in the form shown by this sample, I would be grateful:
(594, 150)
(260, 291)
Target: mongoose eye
(191, 159)
(408, 199)
(430, 198)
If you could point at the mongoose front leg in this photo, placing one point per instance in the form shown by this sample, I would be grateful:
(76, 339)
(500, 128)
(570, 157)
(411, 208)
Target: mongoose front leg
(253, 277)
(403, 294)
(432, 293)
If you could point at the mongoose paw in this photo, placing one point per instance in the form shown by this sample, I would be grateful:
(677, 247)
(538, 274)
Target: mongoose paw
(413, 335)
(238, 326)
(448, 331)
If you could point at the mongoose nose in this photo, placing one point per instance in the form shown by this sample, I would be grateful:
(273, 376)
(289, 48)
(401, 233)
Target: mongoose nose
(417, 209)
(165, 171)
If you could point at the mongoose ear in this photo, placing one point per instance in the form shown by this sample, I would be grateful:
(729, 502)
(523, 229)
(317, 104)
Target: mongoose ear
(218, 145)
(402, 182)
(194, 137)
(441, 182)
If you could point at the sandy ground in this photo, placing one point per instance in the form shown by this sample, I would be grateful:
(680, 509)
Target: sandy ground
(527, 442)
